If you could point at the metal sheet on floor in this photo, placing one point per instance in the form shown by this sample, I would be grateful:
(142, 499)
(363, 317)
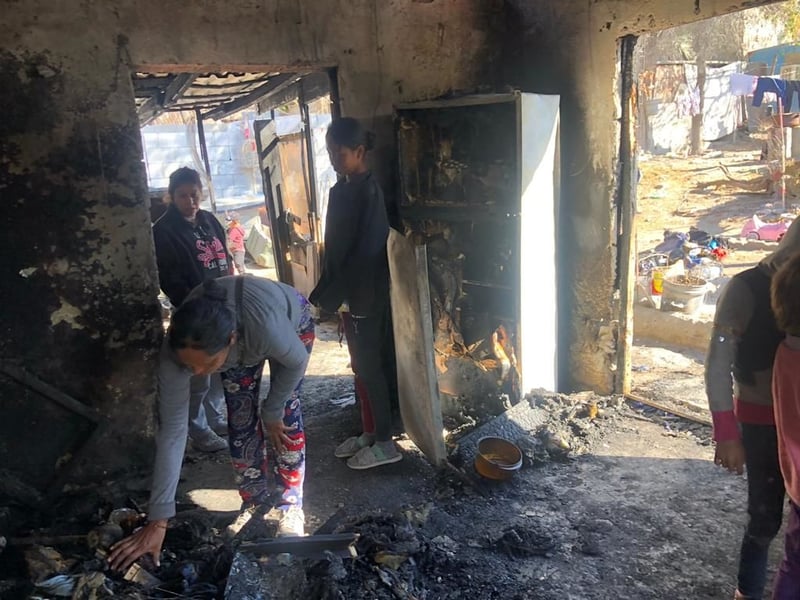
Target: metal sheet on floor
(413, 339)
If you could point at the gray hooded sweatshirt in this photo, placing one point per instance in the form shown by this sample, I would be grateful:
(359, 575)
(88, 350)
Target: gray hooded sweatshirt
(268, 330)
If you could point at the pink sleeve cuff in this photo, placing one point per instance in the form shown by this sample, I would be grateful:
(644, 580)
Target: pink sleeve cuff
(726, 428)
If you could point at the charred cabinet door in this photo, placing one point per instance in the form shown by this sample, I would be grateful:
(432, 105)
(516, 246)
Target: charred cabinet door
(285, 170)
(413, 335)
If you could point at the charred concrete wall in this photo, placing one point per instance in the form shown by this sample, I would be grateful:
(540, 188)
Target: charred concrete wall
(78, 275)
(79, 281)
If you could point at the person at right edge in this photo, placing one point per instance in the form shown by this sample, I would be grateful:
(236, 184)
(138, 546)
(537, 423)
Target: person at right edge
(738, 379)
(786, 391)
(355, 272)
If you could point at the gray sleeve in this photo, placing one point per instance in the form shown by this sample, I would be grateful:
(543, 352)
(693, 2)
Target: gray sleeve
(173, 428)
(719, 365)
(734, 311)
(288, 360)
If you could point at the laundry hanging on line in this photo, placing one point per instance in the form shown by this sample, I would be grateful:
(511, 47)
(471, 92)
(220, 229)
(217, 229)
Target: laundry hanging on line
(743, 85)
(784, 89)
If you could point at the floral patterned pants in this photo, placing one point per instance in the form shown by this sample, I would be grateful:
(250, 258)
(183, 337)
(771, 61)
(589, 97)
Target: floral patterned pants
(251, 453)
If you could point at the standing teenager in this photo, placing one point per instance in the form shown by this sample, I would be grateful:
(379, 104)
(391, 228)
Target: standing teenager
(738, 377)
(355, 272)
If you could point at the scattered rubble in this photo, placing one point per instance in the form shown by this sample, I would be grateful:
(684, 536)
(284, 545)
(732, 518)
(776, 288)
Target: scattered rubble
(519, 542)
(68, 559)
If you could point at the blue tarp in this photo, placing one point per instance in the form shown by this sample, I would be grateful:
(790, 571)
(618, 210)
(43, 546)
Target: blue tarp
(769, 55)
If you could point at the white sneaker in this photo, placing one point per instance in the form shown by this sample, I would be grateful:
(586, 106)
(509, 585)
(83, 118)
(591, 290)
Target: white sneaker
(232, 530)
(208, 441)
(292, 522)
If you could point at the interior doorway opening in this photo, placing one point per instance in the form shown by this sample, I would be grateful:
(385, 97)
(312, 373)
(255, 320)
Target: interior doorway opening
(258, 141)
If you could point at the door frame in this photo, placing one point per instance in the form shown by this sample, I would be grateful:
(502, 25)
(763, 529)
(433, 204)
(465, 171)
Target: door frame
(625, 216)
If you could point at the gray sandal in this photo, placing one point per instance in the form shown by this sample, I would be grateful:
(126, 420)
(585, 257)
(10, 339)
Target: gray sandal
(372, 456)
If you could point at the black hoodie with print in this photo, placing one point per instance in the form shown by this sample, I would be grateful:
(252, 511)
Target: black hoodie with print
(188, 253)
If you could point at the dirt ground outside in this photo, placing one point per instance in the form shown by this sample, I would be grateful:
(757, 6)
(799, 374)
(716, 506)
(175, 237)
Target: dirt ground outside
(676, 193)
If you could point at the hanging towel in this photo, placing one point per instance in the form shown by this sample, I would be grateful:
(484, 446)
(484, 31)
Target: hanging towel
(767, 85)
(743, 85)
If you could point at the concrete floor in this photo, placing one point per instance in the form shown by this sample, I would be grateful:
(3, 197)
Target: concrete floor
(672, 519)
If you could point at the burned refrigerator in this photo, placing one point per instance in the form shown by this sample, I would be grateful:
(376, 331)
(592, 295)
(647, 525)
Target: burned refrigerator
(476, 328)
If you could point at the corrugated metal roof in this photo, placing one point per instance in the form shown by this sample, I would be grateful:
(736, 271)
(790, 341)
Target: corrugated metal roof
(214, 94)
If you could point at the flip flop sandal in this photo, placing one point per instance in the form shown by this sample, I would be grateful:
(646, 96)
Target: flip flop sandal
(350, 447)
(372, 456)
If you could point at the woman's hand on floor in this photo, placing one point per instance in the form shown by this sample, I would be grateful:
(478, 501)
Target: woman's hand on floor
(147, 540)
(730, 455)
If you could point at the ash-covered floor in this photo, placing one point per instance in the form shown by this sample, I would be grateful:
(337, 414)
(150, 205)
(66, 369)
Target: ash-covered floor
(636, 510)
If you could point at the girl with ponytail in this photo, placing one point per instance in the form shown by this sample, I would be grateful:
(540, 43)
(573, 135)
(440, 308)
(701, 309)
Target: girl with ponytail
(355, 278)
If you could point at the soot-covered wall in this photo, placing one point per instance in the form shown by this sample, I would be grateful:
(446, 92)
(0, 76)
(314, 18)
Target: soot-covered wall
(78, 276)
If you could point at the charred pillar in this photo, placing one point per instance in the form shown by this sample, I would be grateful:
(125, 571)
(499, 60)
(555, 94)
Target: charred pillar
(80, 325)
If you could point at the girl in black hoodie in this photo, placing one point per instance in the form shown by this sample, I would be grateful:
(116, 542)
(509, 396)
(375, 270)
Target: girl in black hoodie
(355, 272)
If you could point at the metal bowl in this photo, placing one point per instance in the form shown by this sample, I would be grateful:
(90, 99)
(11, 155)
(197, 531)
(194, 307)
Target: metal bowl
(497, 458)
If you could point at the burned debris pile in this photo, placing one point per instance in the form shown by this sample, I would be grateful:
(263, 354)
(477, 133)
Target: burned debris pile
(68, 558)
(406, 555)
(419, 553)
(573, 423)
(546, 427)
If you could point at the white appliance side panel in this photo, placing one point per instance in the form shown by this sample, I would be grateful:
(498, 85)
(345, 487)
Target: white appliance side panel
(538, 307)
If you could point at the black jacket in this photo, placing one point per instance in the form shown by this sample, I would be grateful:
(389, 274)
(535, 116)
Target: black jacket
(760, 341)
(188, 254)
(355, 266)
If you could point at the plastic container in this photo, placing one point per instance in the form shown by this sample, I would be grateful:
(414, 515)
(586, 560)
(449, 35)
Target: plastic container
(657, 285)
(683, 294)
